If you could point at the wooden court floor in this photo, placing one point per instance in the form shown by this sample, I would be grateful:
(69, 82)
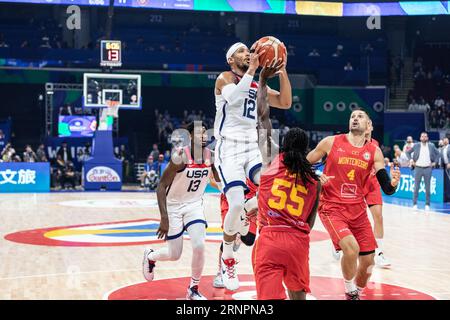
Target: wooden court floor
(79, 245)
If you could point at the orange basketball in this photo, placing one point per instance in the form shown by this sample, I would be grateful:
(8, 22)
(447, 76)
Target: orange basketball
(273, 47)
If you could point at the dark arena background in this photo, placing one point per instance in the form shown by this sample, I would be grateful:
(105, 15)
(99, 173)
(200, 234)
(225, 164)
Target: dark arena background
(92, 93)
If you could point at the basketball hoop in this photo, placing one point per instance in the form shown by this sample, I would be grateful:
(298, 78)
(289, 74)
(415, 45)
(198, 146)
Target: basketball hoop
(112, 108)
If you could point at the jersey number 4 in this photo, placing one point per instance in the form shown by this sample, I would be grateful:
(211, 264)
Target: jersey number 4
(193, 186)
(297, 203)
(249, 108)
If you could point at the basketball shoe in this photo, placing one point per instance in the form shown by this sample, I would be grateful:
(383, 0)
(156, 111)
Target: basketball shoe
(193, 294)
(229, 276)
(353, 295)
(381, 260)
(218, 282)
(148, 266)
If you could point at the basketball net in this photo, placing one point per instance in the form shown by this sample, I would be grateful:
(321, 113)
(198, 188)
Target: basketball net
(108, 114)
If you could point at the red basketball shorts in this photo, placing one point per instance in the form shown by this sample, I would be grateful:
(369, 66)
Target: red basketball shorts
(342, 219)
(280, 256)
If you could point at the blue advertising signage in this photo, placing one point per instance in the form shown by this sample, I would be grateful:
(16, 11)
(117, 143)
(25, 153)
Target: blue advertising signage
(24, 177)
(405, 188)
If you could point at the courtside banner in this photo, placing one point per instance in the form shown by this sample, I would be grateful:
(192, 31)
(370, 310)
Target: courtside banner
(24, 177)
(405, 188)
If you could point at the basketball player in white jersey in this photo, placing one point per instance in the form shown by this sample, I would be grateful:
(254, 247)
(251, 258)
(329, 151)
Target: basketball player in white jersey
(237, 154)
(180, 200)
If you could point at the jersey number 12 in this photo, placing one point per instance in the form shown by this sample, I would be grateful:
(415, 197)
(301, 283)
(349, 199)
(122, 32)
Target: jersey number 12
(249, 107)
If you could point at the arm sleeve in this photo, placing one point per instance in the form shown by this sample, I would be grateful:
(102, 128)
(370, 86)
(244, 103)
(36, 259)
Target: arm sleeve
(385, 182)
(232, 93)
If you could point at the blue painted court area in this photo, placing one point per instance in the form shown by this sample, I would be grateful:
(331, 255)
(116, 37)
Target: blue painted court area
(437, 207)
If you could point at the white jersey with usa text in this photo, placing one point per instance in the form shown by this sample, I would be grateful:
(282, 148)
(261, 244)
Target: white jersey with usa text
(189, 184)
(237, 121)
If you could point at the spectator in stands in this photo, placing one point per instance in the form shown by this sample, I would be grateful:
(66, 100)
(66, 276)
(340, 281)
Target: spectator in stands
(424, 159)
(161, 165)
(84, 153)
(401, 158)
(124, 156)
(167, 155)
(155, 151)
(29, 155)
(314, 53)
(45, 42)
(413, 106)
(3, 43)
(420, 74)
(398, 67)
(2, 140)
(433, 119)
(151, 180)
(66, 110)
(336, 54)
(150, 165)
(348, 66)
(418, 64)
(439, 102)
(437, 73)
(16, 158)
(447, 122)
(40, 153)
(445, 154)
(423, 105)
(65, 153)
(409, 144)
(25, 44)
(8, 153)
(69, 176)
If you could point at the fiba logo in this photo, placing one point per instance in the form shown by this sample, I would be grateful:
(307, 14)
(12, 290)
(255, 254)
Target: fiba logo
(366, 156)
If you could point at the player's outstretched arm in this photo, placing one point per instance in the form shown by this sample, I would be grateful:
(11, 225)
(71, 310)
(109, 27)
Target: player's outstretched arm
(313, 214)
(283, 98)
(321, 150)
(388, 184)
(165, 182)
(214, 179)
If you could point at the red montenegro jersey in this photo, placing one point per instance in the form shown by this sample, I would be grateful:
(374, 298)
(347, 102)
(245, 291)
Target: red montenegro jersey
(351, 167)
(281, 203)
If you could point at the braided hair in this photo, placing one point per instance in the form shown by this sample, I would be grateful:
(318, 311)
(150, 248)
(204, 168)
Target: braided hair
(295, 145)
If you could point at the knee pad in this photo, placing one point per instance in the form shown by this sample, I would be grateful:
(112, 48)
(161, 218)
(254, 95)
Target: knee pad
(248, 239)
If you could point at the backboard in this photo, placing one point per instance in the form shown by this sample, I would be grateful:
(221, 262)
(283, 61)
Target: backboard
(100, 88)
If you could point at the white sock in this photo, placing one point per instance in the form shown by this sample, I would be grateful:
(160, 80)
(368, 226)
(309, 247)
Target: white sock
(360, 290)
(380, 245)
(227, 250)
(194, 282)
(349, 285)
